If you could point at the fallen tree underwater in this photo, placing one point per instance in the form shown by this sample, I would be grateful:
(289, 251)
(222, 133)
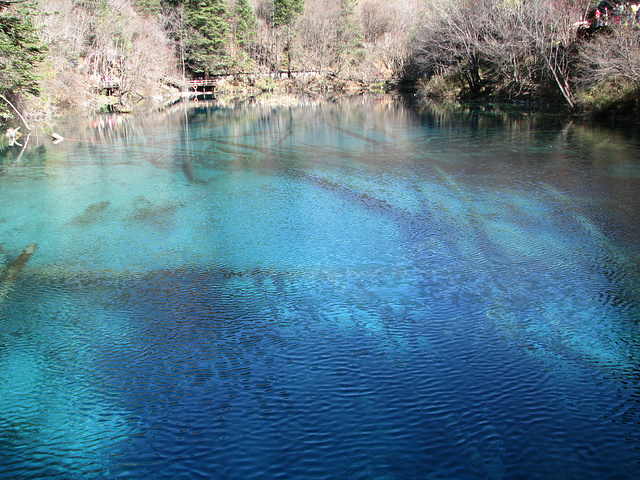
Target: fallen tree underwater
(10, 275)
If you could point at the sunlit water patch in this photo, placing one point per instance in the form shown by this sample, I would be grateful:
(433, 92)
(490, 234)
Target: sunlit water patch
(323, 291)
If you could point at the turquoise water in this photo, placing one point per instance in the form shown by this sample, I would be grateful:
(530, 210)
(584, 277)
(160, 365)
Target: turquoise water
(354, 290)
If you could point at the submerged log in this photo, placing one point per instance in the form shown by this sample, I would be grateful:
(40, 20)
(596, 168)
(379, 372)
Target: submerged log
(10, 275)
(91, 214)
(2, 262)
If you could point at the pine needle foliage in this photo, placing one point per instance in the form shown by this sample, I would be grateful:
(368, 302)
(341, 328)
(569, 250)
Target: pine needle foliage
(20, 51)
(207, 51)
(246, 23)
(286, 11)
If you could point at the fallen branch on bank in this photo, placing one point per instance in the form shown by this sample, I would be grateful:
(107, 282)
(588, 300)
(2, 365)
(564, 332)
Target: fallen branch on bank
(16, 110)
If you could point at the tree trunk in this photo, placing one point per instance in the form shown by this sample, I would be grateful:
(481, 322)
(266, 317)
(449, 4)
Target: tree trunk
(16, 110)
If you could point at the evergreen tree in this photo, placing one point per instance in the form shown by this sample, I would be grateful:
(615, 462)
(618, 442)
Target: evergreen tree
(207, 51)
(349, 46)
(20, 51)
(246, 23)
(153, 7)
(286, 11)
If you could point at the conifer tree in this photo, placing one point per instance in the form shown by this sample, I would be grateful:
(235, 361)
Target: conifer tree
(20, 51)
(246, 23)
(208, 49)
(286, 11)
(349, 46)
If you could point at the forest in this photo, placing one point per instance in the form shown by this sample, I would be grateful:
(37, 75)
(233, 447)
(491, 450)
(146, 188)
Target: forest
(582, 55)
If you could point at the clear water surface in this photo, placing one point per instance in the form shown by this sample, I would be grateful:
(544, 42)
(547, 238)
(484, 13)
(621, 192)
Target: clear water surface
(353, 291)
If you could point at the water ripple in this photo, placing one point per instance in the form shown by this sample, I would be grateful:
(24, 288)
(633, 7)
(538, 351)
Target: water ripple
(262, 302)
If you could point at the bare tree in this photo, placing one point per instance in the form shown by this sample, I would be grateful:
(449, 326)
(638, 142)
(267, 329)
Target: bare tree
(613, 57)
(377, 19)
(550, 26)
(88, 43)
(318, 28)
(452, 39)
(513, 45)
(387, 26)
(146, 59)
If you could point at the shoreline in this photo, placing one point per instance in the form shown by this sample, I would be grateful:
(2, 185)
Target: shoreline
(45, 108)
(290, 92)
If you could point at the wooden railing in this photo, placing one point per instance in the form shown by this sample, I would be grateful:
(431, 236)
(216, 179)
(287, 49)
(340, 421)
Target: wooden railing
(109, 84)
(209, 82)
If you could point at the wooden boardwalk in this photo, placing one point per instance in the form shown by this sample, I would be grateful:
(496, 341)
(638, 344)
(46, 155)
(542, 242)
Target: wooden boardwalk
(209, 82)
(195, 85)
(110, 85)
(201, 85)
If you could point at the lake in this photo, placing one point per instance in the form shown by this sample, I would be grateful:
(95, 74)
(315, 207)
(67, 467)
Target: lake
(348, 290)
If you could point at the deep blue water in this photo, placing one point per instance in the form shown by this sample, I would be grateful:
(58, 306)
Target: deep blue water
(357, 290)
